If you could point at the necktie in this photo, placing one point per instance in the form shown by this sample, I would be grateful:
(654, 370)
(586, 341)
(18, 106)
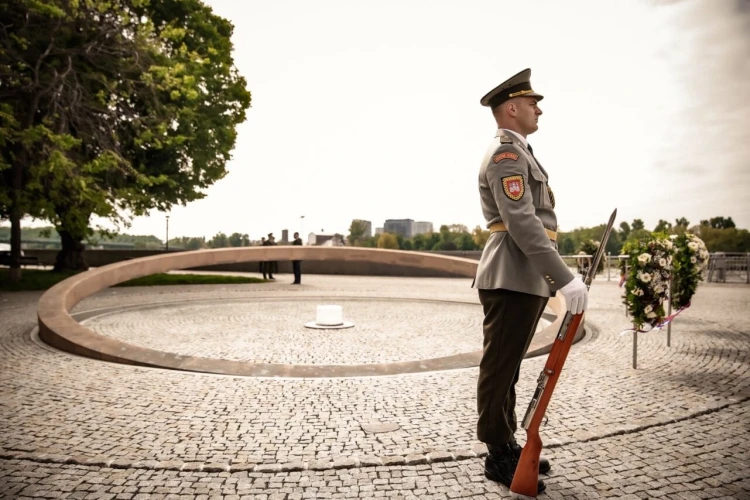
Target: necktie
(531, 150)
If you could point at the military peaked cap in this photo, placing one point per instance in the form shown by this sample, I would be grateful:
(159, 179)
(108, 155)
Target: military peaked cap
(515, 86)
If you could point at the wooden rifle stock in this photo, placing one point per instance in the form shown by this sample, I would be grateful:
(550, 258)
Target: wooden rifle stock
(526, 477)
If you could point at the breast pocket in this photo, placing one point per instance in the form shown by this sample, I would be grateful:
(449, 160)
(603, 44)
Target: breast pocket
(541, 193)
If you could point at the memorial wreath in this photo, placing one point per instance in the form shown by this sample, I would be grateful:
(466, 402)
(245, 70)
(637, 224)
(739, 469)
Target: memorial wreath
(690, 260)
(647, 281)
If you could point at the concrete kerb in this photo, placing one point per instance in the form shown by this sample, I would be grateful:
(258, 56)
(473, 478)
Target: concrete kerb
(59, 329)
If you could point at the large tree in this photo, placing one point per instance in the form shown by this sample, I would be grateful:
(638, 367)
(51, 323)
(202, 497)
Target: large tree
(357, 230)
(637, 225)
(238, 240)
(682, 222)
(719, 223)
(662, 226)
(112, 108)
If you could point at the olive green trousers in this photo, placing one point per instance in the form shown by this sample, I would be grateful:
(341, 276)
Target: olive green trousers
(510, 320)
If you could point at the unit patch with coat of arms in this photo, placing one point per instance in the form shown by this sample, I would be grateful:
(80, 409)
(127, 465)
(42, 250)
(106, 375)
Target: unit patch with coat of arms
(513, 187)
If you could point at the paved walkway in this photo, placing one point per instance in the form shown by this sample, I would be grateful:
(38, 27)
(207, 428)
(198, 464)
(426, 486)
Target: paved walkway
(72, 427)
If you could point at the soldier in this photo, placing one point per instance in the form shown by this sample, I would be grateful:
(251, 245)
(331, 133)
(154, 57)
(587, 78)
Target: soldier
(519, 270)
(297, 264)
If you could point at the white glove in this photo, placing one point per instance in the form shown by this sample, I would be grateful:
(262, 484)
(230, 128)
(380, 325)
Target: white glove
(576, 296)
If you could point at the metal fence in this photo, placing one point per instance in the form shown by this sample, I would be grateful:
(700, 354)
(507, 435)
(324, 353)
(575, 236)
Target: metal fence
(610, 265)
(728, 268)
(722, 267)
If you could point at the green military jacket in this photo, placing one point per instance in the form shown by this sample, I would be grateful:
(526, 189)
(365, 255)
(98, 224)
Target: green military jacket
(513, 190)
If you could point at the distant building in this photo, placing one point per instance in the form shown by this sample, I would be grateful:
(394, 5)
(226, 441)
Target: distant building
(335, 241)
(404, 227)
(422, 227)
(368, 227)
(325, 240)
(379, 230)
(312, 239)
(284, 236)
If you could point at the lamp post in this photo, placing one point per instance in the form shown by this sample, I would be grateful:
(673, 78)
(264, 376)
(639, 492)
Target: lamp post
(166, 245)
(302, 228)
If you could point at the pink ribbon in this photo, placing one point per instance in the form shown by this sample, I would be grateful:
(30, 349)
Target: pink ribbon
(669, 318)
(661, 325)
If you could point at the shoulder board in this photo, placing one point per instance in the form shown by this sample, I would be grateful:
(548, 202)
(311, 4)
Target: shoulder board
(504, 139)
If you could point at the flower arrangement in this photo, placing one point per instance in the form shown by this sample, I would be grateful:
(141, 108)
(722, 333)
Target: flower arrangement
(690, 260)
(647, 281)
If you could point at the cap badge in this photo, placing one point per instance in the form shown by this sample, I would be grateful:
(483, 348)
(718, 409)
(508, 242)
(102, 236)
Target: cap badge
(520, 92)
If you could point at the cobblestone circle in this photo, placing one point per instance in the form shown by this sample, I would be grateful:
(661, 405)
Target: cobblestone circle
(273, 330)
(677, 427)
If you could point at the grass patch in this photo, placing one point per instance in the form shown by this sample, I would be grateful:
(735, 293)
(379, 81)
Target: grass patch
(37, 279)
(189, 279)
(31, 279)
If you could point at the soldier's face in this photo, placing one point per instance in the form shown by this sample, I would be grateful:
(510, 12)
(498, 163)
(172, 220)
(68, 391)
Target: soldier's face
(528, 114)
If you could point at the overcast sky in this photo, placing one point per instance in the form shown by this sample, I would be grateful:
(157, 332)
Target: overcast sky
(370, 109)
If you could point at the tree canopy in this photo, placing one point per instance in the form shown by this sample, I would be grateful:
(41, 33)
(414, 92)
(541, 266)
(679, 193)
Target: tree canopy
(357, 230)
(112, 108)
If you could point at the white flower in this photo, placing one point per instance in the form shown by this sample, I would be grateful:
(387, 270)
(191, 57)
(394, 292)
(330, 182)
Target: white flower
(693, 260)
(643, 258)
(658, 289)
(692, 245)
(638, 292)
(648, 309)
(663, 262)
(668, 244)
(651, 315)
(645, 277)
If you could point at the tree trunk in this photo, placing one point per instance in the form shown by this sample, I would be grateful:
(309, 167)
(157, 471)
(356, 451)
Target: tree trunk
(14, 273)
(70, 258)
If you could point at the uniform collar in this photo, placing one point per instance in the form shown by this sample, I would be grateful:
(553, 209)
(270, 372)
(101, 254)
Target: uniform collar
(522, 140)
(519, 136)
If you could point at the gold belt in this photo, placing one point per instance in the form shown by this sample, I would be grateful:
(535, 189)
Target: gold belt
(499, 227)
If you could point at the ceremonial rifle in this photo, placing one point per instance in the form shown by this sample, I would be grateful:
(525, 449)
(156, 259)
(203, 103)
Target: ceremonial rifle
(527, 472)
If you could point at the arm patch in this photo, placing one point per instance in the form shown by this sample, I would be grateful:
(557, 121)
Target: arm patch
(513, 187)
(504, 156)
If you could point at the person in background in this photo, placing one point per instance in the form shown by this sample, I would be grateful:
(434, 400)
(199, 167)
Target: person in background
(273, 266)
(263, 264)
(297, 264)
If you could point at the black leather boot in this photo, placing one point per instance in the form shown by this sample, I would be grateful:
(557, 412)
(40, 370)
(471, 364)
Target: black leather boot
(544, 466)
(500, 465)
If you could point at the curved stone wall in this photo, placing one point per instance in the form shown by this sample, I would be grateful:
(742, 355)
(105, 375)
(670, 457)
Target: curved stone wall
(58, 328)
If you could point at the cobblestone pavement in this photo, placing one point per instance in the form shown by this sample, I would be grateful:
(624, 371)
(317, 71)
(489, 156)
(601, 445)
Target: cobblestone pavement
(675, 428)
(272, 330)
